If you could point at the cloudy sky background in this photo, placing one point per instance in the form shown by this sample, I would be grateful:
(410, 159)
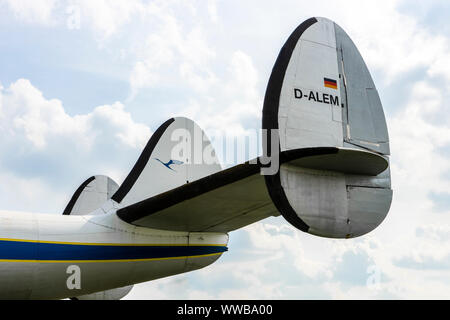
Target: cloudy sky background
(83, 84)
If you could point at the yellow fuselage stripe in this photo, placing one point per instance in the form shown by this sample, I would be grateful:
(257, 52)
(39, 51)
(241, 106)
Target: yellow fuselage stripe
(114, 244)
(118, 260)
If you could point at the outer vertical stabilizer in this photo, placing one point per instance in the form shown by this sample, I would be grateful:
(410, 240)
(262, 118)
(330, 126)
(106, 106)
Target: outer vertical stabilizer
(321, 94)
(90, 195)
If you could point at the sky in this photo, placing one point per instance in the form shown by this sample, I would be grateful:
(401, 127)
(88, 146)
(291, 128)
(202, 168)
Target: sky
(84, 84)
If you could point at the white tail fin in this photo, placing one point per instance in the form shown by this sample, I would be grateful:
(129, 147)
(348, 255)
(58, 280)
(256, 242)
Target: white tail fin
(176, 154)
(321, 95)
(90, 195)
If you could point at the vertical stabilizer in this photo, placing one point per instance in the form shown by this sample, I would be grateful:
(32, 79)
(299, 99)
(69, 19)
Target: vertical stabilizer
(321, 95)
(178, 153)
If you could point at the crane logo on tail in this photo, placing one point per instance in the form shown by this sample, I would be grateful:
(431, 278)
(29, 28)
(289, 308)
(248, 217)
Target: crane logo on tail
(169, 163)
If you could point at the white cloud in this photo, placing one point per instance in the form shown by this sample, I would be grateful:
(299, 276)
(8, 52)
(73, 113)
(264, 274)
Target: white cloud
(25, 111)
(36, 11)
(121, 125)
(272, 240)
(170, 52)
(212, 10)
(30, 192)
(37, 133)
(106, 17)
(231, 100)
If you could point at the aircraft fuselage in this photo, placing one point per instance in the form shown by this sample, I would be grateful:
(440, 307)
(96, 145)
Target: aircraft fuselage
(48, 256)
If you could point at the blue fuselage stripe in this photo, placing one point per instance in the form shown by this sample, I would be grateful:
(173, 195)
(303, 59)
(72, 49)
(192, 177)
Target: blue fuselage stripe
(18, 250)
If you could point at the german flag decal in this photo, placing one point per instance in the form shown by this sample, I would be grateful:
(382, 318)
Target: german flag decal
(330, 83)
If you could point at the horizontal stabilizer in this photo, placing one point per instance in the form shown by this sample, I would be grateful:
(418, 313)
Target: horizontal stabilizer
(349, 161)
(222, 202)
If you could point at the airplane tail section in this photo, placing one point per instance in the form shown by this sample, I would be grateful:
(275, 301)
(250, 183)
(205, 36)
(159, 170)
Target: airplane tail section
(320, 95)
(328, 138)
(333, 150)
(178, 153)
